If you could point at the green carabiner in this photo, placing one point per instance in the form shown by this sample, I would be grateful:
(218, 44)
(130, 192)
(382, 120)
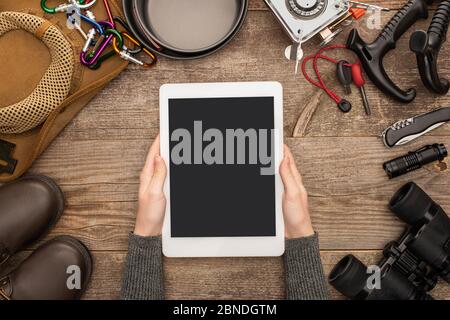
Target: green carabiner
(100, 60)
(59, 8)
(107, 55)
(47, 9)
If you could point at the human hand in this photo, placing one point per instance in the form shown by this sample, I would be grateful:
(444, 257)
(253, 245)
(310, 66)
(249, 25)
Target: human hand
(295, 200)
(152, 202)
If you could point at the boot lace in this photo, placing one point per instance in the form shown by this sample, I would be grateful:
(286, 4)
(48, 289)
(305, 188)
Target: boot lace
(3, 295)
(4, 254)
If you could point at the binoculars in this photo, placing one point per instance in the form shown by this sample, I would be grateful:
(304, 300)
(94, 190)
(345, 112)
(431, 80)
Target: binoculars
(411, 266)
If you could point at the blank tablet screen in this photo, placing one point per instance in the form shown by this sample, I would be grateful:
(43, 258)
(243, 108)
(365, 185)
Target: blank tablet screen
(216, 190)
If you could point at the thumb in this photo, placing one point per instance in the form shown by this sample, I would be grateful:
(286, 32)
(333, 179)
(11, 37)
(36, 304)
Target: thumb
(287, 177)
(159, 176)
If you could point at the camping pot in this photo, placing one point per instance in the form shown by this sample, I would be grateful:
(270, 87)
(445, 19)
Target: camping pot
(185, 29)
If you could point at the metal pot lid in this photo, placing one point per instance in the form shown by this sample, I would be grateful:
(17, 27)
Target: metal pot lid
(184, 31)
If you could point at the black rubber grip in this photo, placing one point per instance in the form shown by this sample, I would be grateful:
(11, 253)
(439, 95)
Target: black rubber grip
(427, 47)
(371, 55)
(439, 23)
(412, 11)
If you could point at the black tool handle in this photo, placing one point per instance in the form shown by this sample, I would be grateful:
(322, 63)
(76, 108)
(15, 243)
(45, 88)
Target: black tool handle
(344, 75)
(371, 55)
(427, 47)
(412, 11)
(420, 125)
(439, 23)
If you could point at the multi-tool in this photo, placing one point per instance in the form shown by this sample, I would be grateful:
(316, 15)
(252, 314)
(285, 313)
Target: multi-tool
(405, 131)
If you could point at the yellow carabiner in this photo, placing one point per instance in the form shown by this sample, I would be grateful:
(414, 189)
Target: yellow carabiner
(127, 56)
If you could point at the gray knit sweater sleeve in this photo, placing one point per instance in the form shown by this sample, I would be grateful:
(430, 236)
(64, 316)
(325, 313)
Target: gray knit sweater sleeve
(144, 280)
(143, 277)
(305, 279)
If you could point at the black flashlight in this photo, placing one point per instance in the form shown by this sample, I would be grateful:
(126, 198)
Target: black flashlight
(415, 160)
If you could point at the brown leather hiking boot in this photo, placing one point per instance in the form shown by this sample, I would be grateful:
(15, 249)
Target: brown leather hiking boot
(29, 207)
(58, 270)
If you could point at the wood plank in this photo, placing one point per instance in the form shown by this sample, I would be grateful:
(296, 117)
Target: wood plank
(393, 4)
(128, 107)
(231, 278)
(329, 164)
(97, 160)
(342, 222)
(349, 191)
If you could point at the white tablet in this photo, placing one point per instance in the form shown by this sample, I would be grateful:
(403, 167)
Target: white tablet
(223, 144)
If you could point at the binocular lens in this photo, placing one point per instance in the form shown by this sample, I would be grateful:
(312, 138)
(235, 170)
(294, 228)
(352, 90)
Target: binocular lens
(411, 203)
(349, 277)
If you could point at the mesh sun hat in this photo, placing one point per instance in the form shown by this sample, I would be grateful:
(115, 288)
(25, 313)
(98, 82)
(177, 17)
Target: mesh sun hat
(54, 86)
(33, 112)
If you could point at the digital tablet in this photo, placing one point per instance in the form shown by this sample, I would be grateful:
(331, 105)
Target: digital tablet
(223, 144)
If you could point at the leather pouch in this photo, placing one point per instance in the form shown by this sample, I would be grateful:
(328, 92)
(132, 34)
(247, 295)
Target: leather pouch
(42, 83)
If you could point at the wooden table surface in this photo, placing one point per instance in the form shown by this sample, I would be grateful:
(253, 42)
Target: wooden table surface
(98, 157)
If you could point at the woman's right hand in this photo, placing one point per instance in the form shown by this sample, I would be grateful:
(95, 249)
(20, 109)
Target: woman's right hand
(295, 200)
(152, 202)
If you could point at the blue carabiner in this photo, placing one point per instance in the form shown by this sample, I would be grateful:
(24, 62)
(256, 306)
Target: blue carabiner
(94, 23)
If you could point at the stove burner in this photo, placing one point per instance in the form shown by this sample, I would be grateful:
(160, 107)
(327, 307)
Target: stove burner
(307, 9)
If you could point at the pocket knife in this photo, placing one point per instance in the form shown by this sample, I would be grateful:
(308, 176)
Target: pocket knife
(405, 131)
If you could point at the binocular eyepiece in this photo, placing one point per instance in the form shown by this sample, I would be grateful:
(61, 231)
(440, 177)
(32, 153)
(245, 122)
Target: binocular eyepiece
(349, 277)
(353, 279)
(410, 266)
(411, 204)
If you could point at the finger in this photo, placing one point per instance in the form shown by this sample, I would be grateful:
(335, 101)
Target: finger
(290, 184)
(159, 177)
(293, 167)
(147, 171)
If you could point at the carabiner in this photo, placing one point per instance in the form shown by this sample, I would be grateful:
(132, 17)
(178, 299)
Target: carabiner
(94, 23)
(126, 55)
(89, 39)
(100, 60)
(92, 32)
(60, 8)
(85, 57)
(122, 23)
(66, 6)
(111, 33)
(125, 25)
(82, 6)
(136, 50)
